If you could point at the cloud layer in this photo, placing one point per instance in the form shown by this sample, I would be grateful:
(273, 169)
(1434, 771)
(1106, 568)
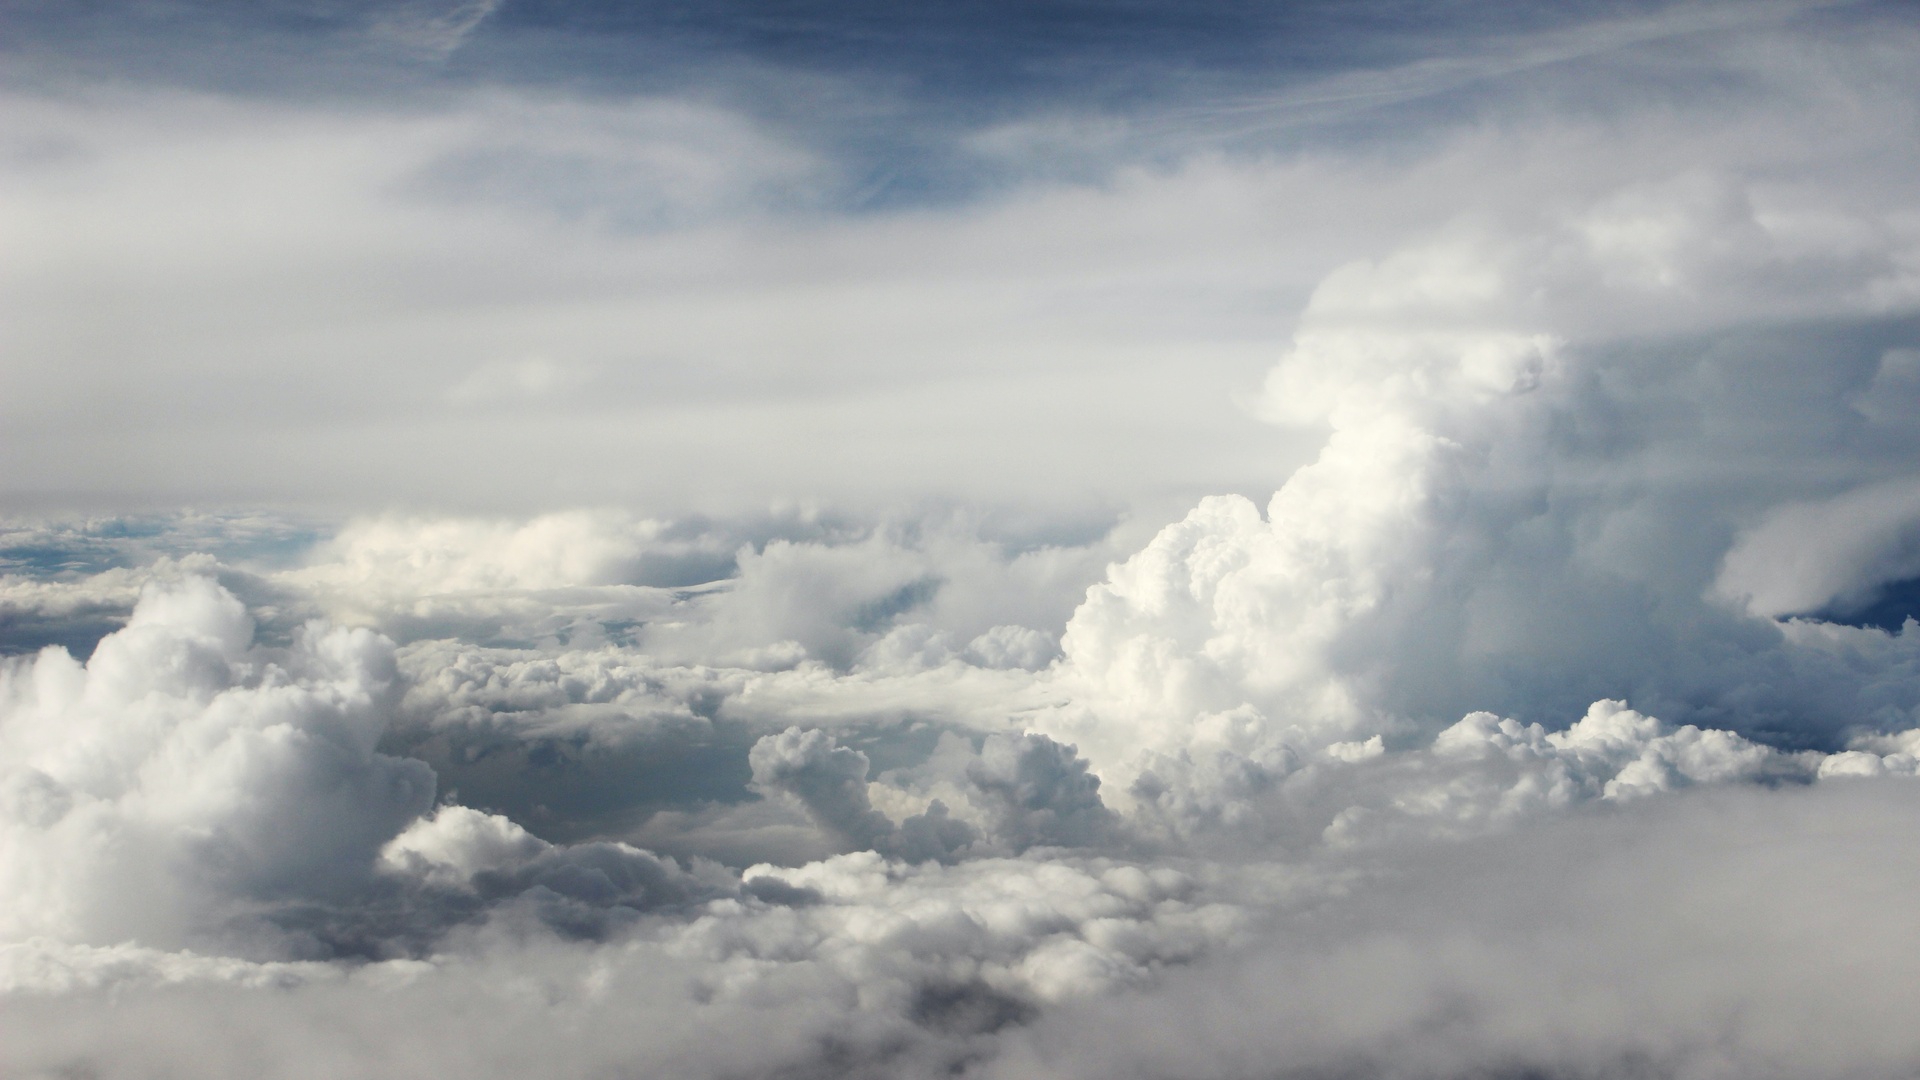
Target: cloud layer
(1400, 566)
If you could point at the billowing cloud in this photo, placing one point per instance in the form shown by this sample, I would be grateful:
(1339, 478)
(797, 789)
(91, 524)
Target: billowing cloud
(1447, 508)
(779, 585)
(181, 778)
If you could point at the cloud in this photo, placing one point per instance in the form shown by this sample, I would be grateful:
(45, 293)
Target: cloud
(186, 787)
(1039, 792)
(1610, 946)
(830, 781)
(1014, 793)
(1487, 772)
(466, 861)
(1658, 936)
(986, 887)
(879, 969)
(180, 776)
(1832, 555)
(1550, 714)
(433, 29)
(755, 331)
(1455, 377)
(453, 556)
(514, 384)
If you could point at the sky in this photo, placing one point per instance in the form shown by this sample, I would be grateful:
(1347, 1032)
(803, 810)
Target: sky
(1156, 541)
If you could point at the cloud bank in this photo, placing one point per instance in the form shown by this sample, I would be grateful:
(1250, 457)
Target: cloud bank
(1396, 568)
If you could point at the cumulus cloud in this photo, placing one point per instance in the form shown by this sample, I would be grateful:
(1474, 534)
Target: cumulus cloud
(415, 558)
(1015, 792)
(835, 786)
(1488, 771)
(1553, 715)
(865, 968)
(1040, 792)
(180, 774)
(1453, 376)
(185, 787)
(468, 861)
(985, 890)
(830, 781)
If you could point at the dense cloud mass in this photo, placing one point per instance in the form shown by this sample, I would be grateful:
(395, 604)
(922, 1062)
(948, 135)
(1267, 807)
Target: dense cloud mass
(764, 576)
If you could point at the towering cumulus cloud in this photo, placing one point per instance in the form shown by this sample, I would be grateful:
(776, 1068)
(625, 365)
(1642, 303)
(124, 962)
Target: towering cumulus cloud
(1454, 506)
(765, 578)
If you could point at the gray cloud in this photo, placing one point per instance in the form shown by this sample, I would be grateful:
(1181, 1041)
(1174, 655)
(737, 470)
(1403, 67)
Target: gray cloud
(830, 781)
(1700, 937)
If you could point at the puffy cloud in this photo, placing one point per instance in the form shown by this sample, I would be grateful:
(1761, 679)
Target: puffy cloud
(72, 614)
(457, 843)
(829, 780)
(182, 777)
(862, 967)
(908, 591)
(927, 949)
(416, 558)
(1012, 647)
(906, 594)
(1040, 792)
(1016, 792)
(1487, 771)
(1447, 550)
(185, 786)
(468, 861)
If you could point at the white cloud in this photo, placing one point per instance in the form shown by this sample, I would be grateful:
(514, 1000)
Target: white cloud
(1484, 747)
(456, 843)
(889, 959)
(180, 775)
(1455, 376)
(428, 557)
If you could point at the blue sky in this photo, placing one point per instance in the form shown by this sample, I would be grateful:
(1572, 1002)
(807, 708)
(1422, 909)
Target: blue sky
(889, 88)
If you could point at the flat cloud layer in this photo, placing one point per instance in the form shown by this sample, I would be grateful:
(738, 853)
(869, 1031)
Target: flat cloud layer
(745, 627)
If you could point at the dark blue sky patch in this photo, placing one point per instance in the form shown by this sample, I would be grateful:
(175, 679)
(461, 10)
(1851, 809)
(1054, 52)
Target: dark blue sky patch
(26, 632)
(974, 50)
(1892, 605)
